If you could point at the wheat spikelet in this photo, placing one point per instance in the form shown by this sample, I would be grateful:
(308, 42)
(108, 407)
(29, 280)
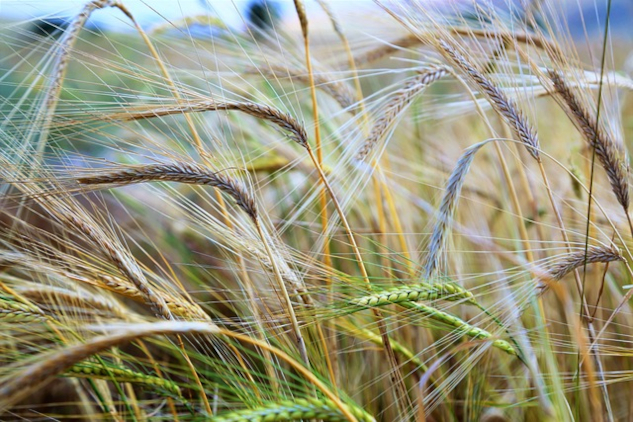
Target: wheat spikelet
(178, 307)
(57, 298)
(60, 66)
(94, 370)
(297, 409)
(181, 173)
(461, 325)
(499, 101)
(447, 209)
(608, 152)
(12, 311)
(415, 292)
(125, 263)
(261, 111)
(400, 100)
(594, 254)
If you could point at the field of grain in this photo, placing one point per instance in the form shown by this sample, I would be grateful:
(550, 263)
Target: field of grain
(413, 211)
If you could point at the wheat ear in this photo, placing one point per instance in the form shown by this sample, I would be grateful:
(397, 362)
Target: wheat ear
(58, 298)
(123, 261)
(186, 22)
(414, 293)
(400, 100)
(60, 66)
(297, 409)
(499, 101)
(181, 173)
(198, 175)
(461, 325)
(262, 111)
(411, 40)
(574, 260)
(447, 209)
(594, 254)
(12, 311)
(94, 370)
(608, 152)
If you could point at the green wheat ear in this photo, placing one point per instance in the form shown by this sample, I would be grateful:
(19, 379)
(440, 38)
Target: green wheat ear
(416, 292)
(461, 325)
(298, 409)
(111, 373)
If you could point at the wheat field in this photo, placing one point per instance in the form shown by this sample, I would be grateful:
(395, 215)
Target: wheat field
(397, 211)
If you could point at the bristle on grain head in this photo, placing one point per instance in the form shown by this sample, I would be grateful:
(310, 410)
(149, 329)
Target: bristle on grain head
(610, 153)
(577, 259)
(400, 100)
(297, 132)
(499, 101)
(182, 173)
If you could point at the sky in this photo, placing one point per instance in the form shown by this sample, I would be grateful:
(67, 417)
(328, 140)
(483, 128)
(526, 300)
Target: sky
(152, 12)
(146, 12)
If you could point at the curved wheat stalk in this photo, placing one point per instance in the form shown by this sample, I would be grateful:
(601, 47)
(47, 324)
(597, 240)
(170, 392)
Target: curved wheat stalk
(94, 370)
